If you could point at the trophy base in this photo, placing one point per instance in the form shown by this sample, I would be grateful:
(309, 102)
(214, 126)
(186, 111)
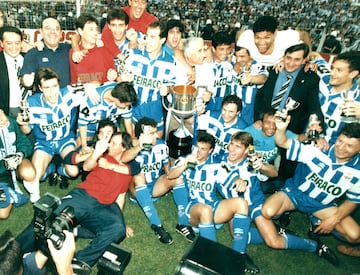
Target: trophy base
(179, 146)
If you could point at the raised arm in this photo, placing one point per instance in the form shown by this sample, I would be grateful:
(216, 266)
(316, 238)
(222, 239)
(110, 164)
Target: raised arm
(100, 147)
(280, 134)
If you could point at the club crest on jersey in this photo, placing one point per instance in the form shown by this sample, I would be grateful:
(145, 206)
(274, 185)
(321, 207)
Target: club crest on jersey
(348, 176)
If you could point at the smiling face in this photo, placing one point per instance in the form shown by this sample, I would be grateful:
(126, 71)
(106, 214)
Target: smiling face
(203, 151)
(341, 77)
(264, 42)
(151, 132)
(11, 43)
(237, 151)
(229, 113)
(137, 8)
(221, 52)
(51, 32)
(51, 90)
(118, 28)
(346, 148)
(242, 57)
(89, 33)
(268, 125)
(293, 61)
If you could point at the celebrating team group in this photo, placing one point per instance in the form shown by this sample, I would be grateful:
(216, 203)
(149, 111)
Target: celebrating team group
(273, 128)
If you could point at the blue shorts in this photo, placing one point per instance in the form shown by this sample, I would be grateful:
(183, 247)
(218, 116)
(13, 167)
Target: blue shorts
(303, 202)
(214, 205)
(255, 211)
(54, 147)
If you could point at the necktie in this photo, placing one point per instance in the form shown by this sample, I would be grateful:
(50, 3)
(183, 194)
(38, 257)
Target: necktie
(278, 98)
(17, 68)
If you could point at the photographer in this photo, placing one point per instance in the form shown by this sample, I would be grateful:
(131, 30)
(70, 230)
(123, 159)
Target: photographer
(95, 203)
(13, 262)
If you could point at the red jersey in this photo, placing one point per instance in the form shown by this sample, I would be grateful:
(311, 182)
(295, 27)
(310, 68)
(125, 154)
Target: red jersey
(105, 185)
(93, 67)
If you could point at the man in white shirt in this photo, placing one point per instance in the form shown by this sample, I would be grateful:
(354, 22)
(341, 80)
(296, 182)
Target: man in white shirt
(266, 44)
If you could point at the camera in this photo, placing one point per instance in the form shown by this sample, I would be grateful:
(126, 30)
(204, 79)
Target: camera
(114, 260)
(50, 226)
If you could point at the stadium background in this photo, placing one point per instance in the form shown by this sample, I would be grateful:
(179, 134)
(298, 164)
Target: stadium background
(149, 256)
(319, 17)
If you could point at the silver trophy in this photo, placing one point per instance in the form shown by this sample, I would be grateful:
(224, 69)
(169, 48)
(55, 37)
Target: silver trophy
(290, 105)
(182, 107)
(349, 96)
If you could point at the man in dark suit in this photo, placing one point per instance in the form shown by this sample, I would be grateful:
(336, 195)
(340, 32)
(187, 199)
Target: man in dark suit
(10, 63)
(303, 88)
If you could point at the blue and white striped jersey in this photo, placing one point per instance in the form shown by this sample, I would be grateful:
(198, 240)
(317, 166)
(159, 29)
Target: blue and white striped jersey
(223, 74)
(202, 182)
(93, 113)
(149, 74)
(152, 162)
(253, 193)
(124, 46)
(247, 93)
(215, 127)
(320, 177)
(330, 102)
(51, 123)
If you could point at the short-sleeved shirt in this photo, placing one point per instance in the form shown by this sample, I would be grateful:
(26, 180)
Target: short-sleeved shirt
(265, 145)
(320, 177)
(152, 161)
(57, 59)
(53, 123)
(247, 93)
(91, 113)
(214, 125)
(202, 181)
(331, 102)
(93, 67)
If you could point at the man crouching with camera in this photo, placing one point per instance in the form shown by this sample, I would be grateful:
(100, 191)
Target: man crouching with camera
(13, 262)
(95, 204)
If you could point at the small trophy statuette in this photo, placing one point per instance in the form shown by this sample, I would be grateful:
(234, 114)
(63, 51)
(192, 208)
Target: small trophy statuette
(349, 96)
(24, 111)
(290, 105)
(146, 129)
